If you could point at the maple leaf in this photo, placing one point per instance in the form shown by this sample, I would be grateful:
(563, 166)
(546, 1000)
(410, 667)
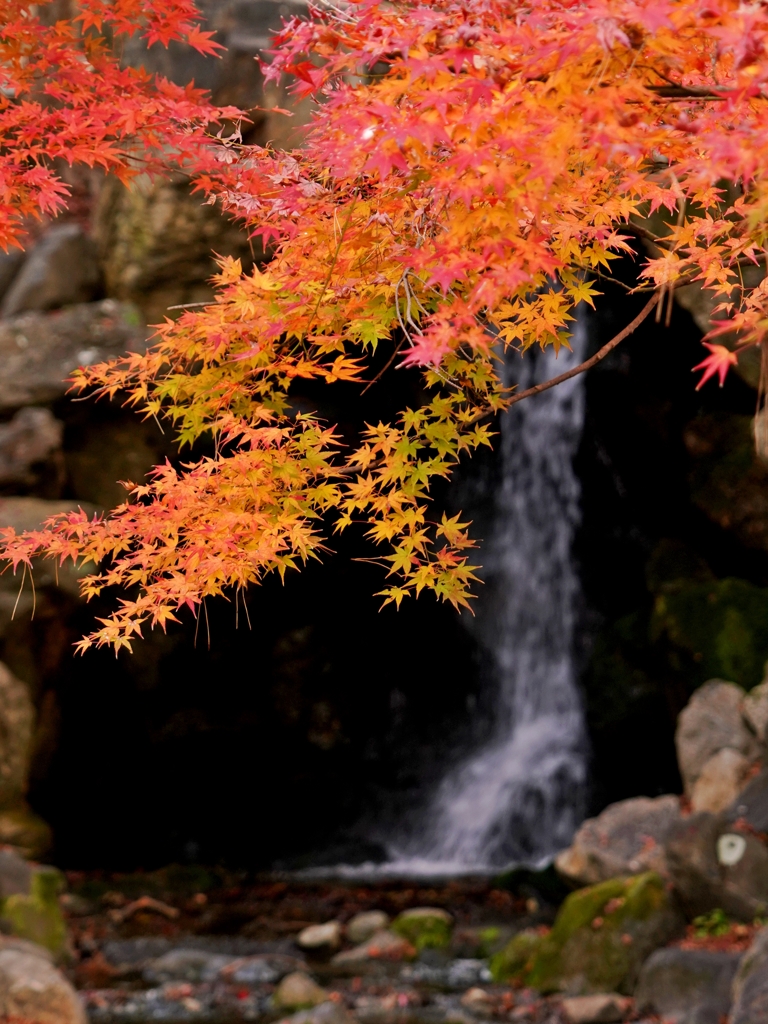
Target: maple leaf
(718, 362)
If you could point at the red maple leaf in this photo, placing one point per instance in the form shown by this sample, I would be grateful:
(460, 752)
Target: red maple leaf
(718, 363)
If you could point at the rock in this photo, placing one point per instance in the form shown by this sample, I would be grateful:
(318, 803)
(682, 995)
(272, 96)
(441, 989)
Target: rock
(720, 781)
(325, 1013)
(39, 351)
(600, 938)
(750, 987)
(25, 831)
(61, 270)
(381, 949)
(752, 803)
(713, 866)
(17, 720)
(36, 915)
(10, 264)
(755, 711)
(193, 965)
(320, 936)
(32, 990)
(711, 721)
(297, 991)
(477, 1000)
(626, 838)
(31, 437)
(425, 927)
(362, 926)
(601, 1008)
(157, 242)
(102, 452)
(715, 629)
(688, 986)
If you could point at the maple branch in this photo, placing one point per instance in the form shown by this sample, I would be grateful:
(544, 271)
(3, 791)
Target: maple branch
(586, 365)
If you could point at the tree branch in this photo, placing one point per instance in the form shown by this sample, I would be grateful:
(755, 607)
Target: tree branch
(586, 365)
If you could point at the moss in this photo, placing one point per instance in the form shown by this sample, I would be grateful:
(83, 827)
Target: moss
(514, 962)
(424, 928)
(599, 939)
(719, 628)
(37, 916)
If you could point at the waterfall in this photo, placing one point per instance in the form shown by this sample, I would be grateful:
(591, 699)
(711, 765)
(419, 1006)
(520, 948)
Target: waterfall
(521, 796)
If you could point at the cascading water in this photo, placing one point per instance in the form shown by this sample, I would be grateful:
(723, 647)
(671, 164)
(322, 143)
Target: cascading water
(521, 796)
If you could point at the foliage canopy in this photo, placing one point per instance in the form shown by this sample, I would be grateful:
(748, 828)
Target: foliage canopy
(471, 174)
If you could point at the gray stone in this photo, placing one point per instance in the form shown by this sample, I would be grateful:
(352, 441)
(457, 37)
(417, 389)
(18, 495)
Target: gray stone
(39, 351)
(600, 1008)
(720, 781)
(362, 926)
(625, 839)
(750, 988)
(193, 965)
(706, 874)
(31, 989)
(61, 270)
(711, 720)
(687, 986)
(32, 436)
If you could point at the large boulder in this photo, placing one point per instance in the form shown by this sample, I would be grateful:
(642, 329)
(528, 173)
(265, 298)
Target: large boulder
(32, 989)
(625, 839)
(62, 269)
(39, 351)
(600, 939)
(713, 864)
(712, 721)
(750, 989)
(687, 986)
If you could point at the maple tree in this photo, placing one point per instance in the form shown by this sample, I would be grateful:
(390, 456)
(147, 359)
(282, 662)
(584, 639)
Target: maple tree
(472, 173)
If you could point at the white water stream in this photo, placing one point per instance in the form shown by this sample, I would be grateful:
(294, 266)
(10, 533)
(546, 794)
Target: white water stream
(521, 796)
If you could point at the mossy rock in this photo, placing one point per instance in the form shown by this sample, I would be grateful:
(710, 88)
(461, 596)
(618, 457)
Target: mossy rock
(37, 916)
(720, 628)
(599, 941)
(516, 959)
(424, 927)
